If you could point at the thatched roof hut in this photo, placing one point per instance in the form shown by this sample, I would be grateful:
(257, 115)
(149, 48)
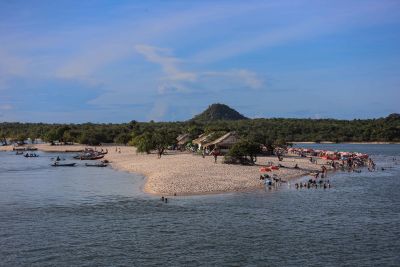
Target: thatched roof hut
(224, 143)
(183, 139)
(203, 139)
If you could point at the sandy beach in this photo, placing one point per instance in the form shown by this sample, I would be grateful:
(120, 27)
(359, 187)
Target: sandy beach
(183, 173)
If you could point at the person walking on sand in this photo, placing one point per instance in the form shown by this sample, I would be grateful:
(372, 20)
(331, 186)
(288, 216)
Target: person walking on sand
(324, 170)
(215, 154)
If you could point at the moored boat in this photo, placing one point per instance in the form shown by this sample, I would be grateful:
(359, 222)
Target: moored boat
(57, 164)
(96, 165)
(31, 155)
(91, 157)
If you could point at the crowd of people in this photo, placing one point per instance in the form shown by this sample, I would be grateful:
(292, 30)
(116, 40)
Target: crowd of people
(313, 184)
(333, 160)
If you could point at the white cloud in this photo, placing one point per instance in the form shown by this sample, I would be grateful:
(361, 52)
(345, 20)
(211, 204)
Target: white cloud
(177, 80)
(106, 45)
(11, 66)
(6, 107)
(327, 21)
(246, 77)
(168, 63)
(158, 111)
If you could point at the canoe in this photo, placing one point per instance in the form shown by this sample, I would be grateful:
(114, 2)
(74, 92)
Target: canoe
(96, 165)
(56, 164)
(91, 157)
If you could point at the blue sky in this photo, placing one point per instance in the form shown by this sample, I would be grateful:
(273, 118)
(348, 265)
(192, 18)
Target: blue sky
(116, 61)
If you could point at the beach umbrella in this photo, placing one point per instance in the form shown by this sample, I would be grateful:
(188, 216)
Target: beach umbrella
(264, 169)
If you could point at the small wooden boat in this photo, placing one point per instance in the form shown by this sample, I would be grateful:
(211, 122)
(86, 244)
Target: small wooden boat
(57, 164)
(96, 165)
(31, 155)
(19, 153)
(91, 157)
(103, 152)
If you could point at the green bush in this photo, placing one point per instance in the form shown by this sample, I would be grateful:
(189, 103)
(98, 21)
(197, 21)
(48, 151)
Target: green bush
(244, 152)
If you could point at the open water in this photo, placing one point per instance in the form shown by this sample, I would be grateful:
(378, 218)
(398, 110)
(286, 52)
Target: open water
(99, 217)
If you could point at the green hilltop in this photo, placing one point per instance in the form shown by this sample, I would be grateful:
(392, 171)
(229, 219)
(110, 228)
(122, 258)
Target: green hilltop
(218, 112)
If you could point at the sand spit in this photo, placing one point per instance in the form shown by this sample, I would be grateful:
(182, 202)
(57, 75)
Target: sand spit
(187, 174)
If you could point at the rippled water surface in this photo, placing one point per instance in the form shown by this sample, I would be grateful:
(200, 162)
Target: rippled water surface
(99, 217)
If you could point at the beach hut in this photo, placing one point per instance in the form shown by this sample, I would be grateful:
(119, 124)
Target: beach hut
(202, 140)
(224, 143)
(182, 140)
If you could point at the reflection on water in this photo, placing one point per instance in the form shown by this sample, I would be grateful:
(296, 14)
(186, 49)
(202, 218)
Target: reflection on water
(97, 216)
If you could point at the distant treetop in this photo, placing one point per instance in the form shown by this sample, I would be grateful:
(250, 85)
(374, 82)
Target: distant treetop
(393, 116)
(217, 112)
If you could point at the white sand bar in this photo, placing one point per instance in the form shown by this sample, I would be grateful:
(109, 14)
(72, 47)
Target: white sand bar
(186, 174)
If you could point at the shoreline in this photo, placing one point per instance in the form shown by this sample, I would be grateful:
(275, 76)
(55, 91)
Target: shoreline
(348, 143)
(185, 174)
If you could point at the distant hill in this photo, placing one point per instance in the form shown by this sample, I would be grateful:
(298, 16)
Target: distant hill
(217, 112)
(393, 117)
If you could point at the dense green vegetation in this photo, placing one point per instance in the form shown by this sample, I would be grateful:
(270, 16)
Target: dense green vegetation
(159, 139)
(244, 152)
(260, 130)
(264, 131)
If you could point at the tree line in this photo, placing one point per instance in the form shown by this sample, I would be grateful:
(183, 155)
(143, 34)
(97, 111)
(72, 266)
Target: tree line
(262, 131)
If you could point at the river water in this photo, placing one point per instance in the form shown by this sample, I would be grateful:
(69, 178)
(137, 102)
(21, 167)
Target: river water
(99, 217)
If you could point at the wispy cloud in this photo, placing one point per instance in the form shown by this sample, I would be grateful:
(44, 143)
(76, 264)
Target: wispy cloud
(135, 54)
(107, 46)
(324, 22)
(177, 80)
(158, 111)
(248, 78)
(168, 63)
(11, 66)
(6, 107)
